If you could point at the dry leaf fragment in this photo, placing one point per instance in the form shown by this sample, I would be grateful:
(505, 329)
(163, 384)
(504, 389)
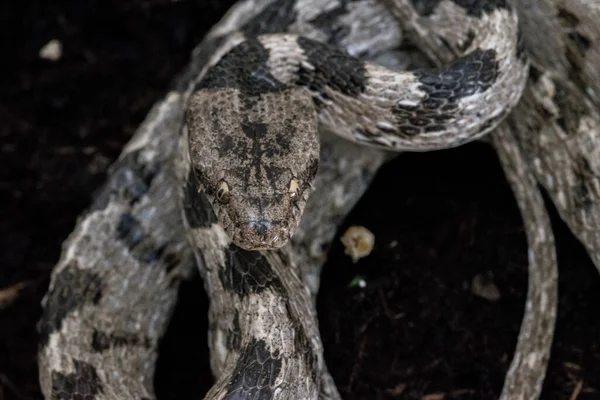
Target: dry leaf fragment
(358, 241)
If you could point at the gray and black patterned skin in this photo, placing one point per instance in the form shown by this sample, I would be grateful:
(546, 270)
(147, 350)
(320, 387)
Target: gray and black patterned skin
(263, 345)
(132, 244)
(253, 119)
(99, 318)
(114, 288)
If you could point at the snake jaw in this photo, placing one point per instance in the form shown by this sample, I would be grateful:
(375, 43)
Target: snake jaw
(261, 223)
(262, 235)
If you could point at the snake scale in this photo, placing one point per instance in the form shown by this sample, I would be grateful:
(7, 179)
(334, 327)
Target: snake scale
(255, 233)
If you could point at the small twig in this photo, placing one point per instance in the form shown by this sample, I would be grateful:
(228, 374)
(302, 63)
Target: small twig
(577, 390)
(10, 294)
(434, 396)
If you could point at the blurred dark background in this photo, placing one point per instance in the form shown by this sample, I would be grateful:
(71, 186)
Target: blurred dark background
(420, 329)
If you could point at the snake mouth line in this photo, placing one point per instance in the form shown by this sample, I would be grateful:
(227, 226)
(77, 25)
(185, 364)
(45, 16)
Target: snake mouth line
(261, 234)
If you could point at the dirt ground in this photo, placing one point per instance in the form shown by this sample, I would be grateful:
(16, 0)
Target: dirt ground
(419, 329)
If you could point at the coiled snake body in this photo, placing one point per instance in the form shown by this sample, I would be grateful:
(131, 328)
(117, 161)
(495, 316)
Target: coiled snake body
(252, 119)
(237, 140)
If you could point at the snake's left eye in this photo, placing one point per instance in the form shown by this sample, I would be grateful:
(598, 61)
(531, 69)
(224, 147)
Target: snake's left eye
(223, 192)
(294, 189)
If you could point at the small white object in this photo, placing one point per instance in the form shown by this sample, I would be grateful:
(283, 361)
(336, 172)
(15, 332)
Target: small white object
(52, 50)
(358, 241)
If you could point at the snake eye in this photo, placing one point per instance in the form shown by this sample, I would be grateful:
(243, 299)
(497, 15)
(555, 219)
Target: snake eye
(294, 189)
(223, 192)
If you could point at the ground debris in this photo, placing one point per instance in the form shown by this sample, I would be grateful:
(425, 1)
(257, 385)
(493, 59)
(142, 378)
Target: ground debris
(483, 286)
(9, 294)
(358, 241)
(52, 50)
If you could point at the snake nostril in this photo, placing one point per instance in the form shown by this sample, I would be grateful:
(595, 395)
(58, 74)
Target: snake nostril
(261, 227)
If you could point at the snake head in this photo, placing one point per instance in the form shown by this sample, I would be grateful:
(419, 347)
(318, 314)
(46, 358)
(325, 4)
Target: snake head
(256, 159)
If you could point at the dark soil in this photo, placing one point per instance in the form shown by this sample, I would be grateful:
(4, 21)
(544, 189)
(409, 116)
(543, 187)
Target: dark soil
(415, 331)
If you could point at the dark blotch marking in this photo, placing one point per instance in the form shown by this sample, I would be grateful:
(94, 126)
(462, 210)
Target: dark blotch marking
(333, 68)
(567, 18)
(468, 41)
(252, 76)
(534, 74)
(246, 272)
(577, 44)
(562, 122)
(329, 23)
(254, 151)
(130, 231)
(83, 384)
(280, 15)
(580, 42)
(474, 73)
(582, 195)
(171, 259)
(142, 246)
(73, 288)
(227, 145)
(234, 338)
(102, 341)
(198, 210)
(255, 373)
(206, 51)
(131, 179)
(449, 47)
(275, 18)
(571, 110)
(576, 48)
(254, 130)
(582, 191)
(474, 8)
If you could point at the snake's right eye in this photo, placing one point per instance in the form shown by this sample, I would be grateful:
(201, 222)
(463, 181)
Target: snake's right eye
(223, 192)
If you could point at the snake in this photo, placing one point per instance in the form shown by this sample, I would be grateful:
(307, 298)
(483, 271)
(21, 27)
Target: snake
(233, 174)
(252, 121)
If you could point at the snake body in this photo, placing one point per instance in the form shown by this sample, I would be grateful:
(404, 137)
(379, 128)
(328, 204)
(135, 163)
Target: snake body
(114, 288)
(253, 118)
